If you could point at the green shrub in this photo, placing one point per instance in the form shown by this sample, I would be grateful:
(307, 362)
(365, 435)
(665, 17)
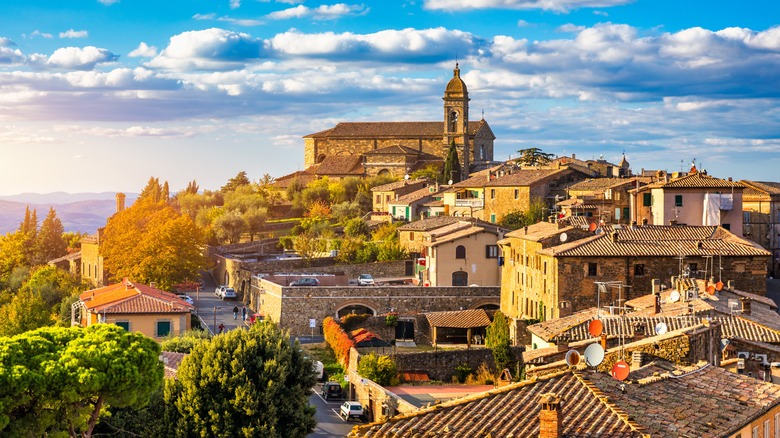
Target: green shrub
(351, 321)
(462, 372)
(380, 369)
(185, 342)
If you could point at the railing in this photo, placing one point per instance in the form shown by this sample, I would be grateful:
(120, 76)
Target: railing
(475, 202)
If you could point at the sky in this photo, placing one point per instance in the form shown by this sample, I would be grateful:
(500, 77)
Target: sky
(101, 95)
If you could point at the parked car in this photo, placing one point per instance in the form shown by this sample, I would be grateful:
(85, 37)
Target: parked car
(188, 299)
(306, 281)
(225, 292)
(319, 369)
(365, 280)
(351, 409)
(331, 390)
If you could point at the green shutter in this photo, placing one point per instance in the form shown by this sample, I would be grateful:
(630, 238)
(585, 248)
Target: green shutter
(647, 200)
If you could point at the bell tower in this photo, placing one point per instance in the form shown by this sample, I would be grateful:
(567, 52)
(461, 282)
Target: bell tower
(456, 118)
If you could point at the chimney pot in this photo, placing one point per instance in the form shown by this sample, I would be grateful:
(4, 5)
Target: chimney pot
(614, 236)
(550, 421)
(745, 305)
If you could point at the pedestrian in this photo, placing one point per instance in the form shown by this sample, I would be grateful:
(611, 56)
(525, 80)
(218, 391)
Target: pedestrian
(243, 313)
(221, 328)
(235, 312)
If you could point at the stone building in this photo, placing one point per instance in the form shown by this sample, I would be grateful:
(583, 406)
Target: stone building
(551, 270)
(761, 218)
(398, 148)
(92, 269)
(601, 199)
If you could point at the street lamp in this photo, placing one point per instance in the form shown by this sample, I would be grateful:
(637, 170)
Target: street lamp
(215, 316)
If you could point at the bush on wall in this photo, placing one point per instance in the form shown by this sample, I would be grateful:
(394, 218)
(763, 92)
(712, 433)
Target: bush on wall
(338, 340)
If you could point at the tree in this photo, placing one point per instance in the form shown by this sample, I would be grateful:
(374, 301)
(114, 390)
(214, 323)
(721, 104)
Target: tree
(497, 338)
(151, 242)
(26, 311)
(516, 219)
(192, 188)
(166, 192)
(356, 228)
(233, 183)
(431, 172)
(380, 369)
(57, 381)
(452, 168)
(245, 383)
(533, 157)
(152, 192)
(51, 244)
(229, 226)
(254, 219)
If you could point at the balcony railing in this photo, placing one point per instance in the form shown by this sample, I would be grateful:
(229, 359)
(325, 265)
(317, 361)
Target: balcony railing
(475, 202)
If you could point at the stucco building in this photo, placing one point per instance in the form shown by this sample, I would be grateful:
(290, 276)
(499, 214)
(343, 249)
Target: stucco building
(761, 218)
(399, 148)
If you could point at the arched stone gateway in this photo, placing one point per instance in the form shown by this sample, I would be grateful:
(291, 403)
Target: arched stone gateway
(357, 307)
(486, 304)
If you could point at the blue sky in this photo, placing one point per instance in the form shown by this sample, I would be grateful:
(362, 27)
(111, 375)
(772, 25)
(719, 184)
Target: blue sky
(101, 95)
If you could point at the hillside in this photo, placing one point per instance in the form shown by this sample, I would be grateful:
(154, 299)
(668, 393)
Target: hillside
(77, 211)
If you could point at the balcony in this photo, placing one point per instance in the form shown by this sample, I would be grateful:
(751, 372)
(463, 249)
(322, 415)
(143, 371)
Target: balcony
(472, 202)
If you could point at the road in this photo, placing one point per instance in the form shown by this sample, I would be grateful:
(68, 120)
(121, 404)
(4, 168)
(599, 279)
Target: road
(329, 424)
(213, 310)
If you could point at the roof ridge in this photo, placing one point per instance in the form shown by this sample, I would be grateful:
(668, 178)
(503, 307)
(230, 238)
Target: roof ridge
(604, 399)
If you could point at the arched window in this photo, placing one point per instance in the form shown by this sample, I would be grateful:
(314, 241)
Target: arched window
(460, 278)
(460, 252)
(453, 121)
(321, 158)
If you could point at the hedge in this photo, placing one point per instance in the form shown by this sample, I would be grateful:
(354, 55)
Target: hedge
(338, 340)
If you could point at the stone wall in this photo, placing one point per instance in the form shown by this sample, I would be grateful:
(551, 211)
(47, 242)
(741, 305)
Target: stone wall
(293, 307)
(378, 403)
(440, 364)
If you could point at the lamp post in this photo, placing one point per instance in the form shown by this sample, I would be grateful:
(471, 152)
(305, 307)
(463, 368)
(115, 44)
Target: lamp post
(215, 316)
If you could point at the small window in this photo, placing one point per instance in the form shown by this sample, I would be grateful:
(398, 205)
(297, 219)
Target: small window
(694, 267)
(639, 270)
(755, 432)
(777, 425)
(492, 218)
(767, 430)
(411, 235)
(491, 251)
(460, 252)
(746, 216)
(678, 201)
(593, 269)
(517, 193)
(492, 193)
(124, 324)
(726, 226)
(163, 328)
(378, 199)
(647, 200)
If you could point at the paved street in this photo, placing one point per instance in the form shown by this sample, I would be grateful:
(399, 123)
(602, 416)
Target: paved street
(329, 424)
(213, 310)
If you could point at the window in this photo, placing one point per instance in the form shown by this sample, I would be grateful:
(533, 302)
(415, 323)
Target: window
(767, 430)
(694, 268)
(378, 199)
(678, 201)
(162, 328)
(726, 226)
(411, 235)
(517, 193)
(639, 270)
(460, 252)
(593, 269)
(124, 324)
(492, 193)
(746, 216)
(492, 218)
(491, 251)
(647, 200)
(777, 425)
(626, 213)
(755, 432)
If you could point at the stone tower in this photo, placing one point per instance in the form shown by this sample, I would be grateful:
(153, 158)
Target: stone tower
(456, 118)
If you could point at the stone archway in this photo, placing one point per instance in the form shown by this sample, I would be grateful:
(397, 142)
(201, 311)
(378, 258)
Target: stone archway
(384, 172)
(486, 304)
(356, 306)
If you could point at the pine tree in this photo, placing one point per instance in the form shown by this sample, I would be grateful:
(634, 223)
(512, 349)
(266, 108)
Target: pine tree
(166, 192)
(51, 244)
(192, 188)
(152, 192)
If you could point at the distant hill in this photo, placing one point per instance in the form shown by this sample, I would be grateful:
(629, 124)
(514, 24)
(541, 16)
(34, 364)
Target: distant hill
(82, 212)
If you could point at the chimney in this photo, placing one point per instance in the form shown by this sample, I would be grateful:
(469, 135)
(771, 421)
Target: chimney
(637, 359)
(562, 344)
(614, 236)
(550, 421)
(745, 305)
(673, 222)
(730, 285)
(573, 156)
(656, 288)
(656, 303)
(644, 221)
(120, 202)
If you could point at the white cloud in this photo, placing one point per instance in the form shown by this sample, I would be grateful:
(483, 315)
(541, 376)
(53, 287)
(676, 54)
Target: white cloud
(601, 13)
(74, 58)
(70, 33)
(569, 27)
(143, 51)
(37, 33)
(9, 55)
(210, 49)
(235, 4)
(236, 21)
(322, 12)
(522, 23)
(108, 2)
(548, 5)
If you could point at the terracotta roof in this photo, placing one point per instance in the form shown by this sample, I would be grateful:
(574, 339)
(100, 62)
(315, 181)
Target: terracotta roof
(429, 223)
(660, 241)
(412, 197)
(389, 187)
(459, 229)
(129, 297)
(699, 180)
(511, 411)
(341, 165)
(600, 184)
(761, 187)
(547, 330)
(393, 150)
(538, 231)
(518, 178)
(171, 362)
(389, 129)
(459, 318)
(579, 203)
(696, 401)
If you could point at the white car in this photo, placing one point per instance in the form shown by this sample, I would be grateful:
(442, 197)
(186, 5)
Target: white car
(365, 280)
(225, 292)
(188, 299)
(351, 409)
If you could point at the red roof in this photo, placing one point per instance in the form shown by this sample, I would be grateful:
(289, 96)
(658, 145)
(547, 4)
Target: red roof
(129, 297)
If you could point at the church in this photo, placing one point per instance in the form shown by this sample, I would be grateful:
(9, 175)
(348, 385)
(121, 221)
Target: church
(368, 149)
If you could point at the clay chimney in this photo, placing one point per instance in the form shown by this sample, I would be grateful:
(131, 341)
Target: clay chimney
(745, 305)
(550, 421)
(637, 359)
(120, 202)
(614, 236)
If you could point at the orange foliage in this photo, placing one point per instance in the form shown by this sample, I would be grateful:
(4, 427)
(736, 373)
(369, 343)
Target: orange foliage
(338, 340)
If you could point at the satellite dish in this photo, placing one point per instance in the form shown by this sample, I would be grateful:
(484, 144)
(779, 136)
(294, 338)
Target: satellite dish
(449, 182)
(661, 328)
(407, 176)
(592, 227)
(563, 237)
(710, 289)
(620, 370)
(719, 285)
(598, 231)
(594, 355)
(595, 328)
(572, 358)
(674, 296)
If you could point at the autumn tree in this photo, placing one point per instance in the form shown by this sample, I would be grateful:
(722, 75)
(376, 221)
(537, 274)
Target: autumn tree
(192, 188)
(244, 383)
(50, 242)
(58, 381)
(533, 157)
(431, 172)
(254, 220)
(452, 168)
(151, 242)
(380, 369)
(233, 183)
(153, 191)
